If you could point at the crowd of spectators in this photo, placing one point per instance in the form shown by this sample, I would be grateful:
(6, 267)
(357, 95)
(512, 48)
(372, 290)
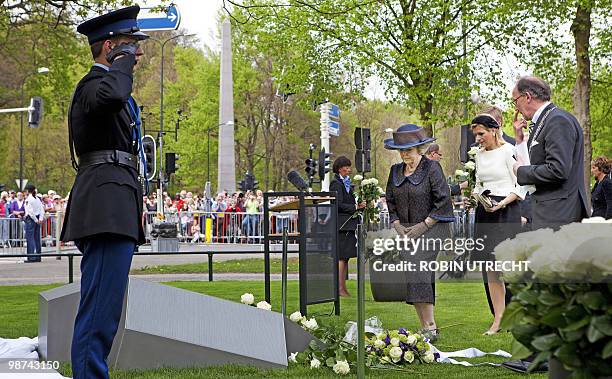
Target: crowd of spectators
(236, 217)
(12, 207)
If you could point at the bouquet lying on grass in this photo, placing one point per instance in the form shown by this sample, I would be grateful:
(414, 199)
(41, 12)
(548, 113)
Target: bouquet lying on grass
(387, 349)
(338, 351)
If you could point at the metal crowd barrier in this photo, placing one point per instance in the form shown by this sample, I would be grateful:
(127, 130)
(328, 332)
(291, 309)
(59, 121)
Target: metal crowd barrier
(12, 234)
(225, 227)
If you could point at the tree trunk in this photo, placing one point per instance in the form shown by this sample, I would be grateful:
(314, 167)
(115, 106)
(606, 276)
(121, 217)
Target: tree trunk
(581, 95)
(426, 110)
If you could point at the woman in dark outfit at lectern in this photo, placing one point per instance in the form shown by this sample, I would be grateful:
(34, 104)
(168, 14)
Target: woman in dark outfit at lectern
(347, 224)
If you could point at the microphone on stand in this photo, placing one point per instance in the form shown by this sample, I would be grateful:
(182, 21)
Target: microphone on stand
(295, 179)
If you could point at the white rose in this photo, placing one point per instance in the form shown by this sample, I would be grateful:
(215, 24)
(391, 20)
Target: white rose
(408, 356)
(428, 357)
(473, 151)
(264, 305)
(296, 316)
(381, 336)
(374, 181)
(315, 363)
(458, 172)
(381, 191)
(395, 341)
(411, 340)
(396, 354)
(247, 299)
(470, 165)
(292, 357)
(310, 324)
(365, 182)
(357, 178)
(342, 367)
(379, 344)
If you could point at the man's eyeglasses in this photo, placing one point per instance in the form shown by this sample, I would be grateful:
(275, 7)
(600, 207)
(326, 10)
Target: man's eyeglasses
(518, 97)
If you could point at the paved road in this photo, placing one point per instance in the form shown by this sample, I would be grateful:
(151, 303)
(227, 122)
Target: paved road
(14, 272)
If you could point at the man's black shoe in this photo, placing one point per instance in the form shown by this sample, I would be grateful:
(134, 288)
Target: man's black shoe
(522, 366)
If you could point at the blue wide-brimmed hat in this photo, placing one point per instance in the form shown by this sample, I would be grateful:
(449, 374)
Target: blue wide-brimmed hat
(119, 22)
(407, 136)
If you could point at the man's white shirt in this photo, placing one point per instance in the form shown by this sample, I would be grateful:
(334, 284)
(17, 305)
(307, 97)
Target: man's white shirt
(34, 208)
(538, 113)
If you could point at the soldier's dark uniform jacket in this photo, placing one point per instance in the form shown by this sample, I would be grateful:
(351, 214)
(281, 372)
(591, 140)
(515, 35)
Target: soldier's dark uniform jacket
(105, 198)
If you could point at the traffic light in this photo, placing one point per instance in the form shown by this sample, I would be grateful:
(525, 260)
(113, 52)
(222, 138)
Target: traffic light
(363, 145)
(362, 161)
(149, 148)
(311, 167)
(35, 112)
(171, 165)
(242, 185)
(250, 182)
(324, 163)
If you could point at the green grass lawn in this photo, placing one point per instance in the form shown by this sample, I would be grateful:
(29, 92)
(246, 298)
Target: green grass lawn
(461, 312)
(250, 265)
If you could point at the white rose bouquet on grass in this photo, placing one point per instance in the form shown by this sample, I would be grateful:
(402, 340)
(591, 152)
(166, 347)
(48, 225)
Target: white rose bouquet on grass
(390, 349)
(400, 347)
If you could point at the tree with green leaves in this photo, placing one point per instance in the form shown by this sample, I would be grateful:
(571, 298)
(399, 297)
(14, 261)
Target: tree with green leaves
(423, 52)
(577, 67)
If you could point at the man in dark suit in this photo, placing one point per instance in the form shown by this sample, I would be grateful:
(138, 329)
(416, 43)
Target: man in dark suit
(556, 154)
(104, 211)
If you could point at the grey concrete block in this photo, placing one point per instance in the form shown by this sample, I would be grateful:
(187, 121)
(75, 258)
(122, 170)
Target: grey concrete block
(57, 309)
(164, 326)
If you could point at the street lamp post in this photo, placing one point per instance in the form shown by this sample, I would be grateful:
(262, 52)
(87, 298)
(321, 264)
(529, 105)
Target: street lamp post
(41, 70)
(160, 134)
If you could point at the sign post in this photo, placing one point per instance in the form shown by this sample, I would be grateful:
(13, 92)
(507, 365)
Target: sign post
(154, 21)
(330, 126)
(24, 182)
(170, 21)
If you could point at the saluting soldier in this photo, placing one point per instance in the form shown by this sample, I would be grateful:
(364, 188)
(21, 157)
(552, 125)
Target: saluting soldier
(104, 211)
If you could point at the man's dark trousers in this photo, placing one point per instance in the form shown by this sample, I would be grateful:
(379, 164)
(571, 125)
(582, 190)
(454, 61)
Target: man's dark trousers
(32, 233)
(104, 271)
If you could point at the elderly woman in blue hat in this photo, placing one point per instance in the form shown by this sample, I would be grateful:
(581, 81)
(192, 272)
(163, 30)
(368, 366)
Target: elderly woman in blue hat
(419, 205)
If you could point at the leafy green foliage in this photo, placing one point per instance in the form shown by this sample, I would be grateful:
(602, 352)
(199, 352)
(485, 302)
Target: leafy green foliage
(570, 322)
(421, 51)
